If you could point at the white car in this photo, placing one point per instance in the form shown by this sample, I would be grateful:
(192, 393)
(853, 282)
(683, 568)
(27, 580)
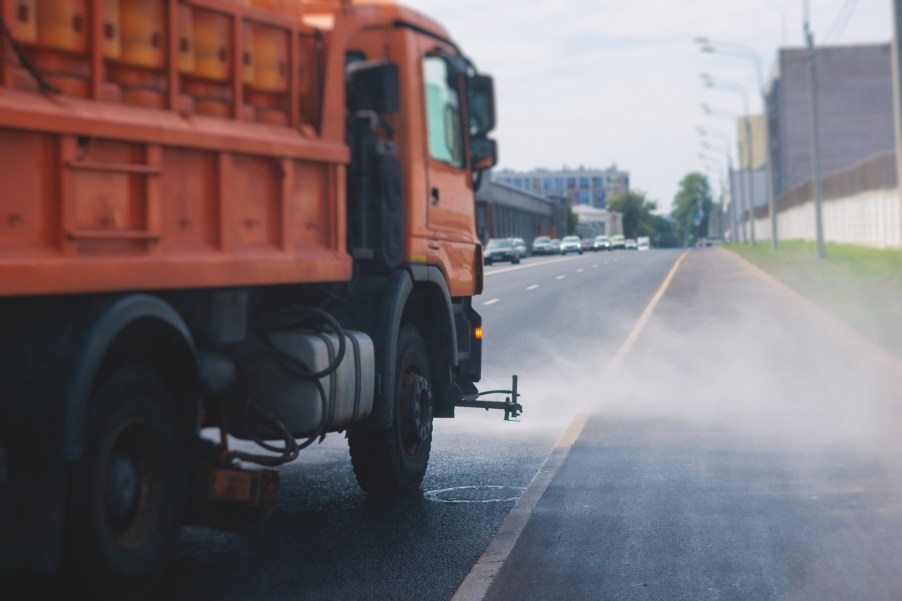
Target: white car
(643, 243)
(571, 244)
(630, 244)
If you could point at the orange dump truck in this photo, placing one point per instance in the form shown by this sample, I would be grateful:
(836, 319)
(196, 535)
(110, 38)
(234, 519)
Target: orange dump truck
(252, 217)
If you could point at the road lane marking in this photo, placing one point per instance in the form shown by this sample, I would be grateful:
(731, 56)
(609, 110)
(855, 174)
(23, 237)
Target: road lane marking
(560, 277)
(491, 302)
(579, 271)
(630, 341)
(506, 269)
(595, 265)
(486, 569)
(533, 287)
(477, 583)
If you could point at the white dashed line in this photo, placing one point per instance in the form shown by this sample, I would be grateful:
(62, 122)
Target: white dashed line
(533, 287)
(491, 302)
(560, 277)
(579, 271)
(594, 266)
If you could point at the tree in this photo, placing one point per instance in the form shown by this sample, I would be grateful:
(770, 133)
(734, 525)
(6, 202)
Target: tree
(572, 219)
(693, 200)
(638, 216)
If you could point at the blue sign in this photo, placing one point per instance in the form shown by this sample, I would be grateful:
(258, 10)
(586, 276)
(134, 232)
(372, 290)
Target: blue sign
(697, 218)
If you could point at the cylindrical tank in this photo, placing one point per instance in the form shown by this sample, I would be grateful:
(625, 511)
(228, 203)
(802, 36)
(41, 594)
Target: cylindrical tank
(271, 54)
(212, 44)
(25, 25)
(112, 39)
(143, 27)
(186, 39)
(63, 25)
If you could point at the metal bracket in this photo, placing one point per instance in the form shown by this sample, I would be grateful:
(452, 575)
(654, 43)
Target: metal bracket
(511, 408)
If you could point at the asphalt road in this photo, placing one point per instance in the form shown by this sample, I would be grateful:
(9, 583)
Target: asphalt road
(543, 320)
(749, 448)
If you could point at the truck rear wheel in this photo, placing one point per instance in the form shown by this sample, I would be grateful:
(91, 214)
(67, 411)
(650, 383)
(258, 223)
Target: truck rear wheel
(127, 491)
(394, 461)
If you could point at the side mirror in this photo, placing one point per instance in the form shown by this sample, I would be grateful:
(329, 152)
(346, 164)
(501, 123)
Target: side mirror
(483, 153)
(372, 86)
(481, 105)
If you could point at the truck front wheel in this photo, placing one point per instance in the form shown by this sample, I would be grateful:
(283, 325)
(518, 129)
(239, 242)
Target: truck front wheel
(394, 461)
(127, 491)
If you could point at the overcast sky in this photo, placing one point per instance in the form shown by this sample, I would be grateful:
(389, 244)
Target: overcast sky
(596, 82)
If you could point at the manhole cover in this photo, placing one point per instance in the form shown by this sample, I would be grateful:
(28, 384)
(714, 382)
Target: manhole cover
(475, 494)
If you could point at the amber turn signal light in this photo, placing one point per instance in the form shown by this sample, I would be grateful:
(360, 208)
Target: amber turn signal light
(477, 333)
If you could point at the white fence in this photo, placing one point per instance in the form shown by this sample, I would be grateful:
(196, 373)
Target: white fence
(872, 218)
(861, 205)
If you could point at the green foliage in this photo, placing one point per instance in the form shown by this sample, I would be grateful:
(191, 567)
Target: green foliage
(694, 195)
(572, 219)
(637, 213)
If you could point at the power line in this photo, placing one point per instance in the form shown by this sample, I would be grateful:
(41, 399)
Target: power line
(842, 19)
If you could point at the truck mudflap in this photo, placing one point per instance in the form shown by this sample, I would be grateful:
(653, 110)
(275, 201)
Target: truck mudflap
(510, 405)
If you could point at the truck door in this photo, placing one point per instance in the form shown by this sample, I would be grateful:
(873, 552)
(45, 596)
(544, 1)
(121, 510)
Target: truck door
(449, 193)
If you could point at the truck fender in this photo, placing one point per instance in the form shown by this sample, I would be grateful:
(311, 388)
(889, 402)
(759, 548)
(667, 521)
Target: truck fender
(91, 348)
(399, 288)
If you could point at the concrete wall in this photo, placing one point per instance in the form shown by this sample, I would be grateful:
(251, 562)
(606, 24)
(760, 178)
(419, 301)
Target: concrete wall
(861, 205)
(871, 218)
(854, 90)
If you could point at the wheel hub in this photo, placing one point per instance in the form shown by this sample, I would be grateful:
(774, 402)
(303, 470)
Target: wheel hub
(122, 485)
(421, 408)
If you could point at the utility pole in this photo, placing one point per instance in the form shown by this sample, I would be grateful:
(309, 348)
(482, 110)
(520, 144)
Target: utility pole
(897, 98)
(749, 173)
(815, 137)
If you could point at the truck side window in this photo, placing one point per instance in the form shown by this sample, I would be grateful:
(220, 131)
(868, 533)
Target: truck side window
(443, 120)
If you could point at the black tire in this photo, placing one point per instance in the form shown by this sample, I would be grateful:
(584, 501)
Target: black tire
(128, 489)
(394, 461)
(516, 261)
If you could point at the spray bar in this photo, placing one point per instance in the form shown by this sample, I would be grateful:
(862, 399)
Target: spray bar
(511, 408)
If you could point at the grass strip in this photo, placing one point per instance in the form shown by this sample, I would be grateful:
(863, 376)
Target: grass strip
(860, 285)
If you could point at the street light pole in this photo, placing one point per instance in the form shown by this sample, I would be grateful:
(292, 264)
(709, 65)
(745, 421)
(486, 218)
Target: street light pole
(736, 192)
(747, 52)
(719, 84)
(815, 138)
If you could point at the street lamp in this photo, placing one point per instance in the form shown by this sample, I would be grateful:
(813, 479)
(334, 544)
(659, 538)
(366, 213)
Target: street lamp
(735, 199)
(815, 137)
(742, 202)
(747, 52)
(728, 86)
(716, 171)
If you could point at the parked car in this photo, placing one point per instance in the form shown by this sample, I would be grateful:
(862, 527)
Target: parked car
(501, 249)
(586, 243)
(601, 243)
(520, 245)
(541, 245)
(571, 244)
(630, 244)
(618, 241)
(554, 246)
(643, 242)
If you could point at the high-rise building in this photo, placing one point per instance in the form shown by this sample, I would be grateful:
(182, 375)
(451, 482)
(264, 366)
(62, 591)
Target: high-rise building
(583, 186)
